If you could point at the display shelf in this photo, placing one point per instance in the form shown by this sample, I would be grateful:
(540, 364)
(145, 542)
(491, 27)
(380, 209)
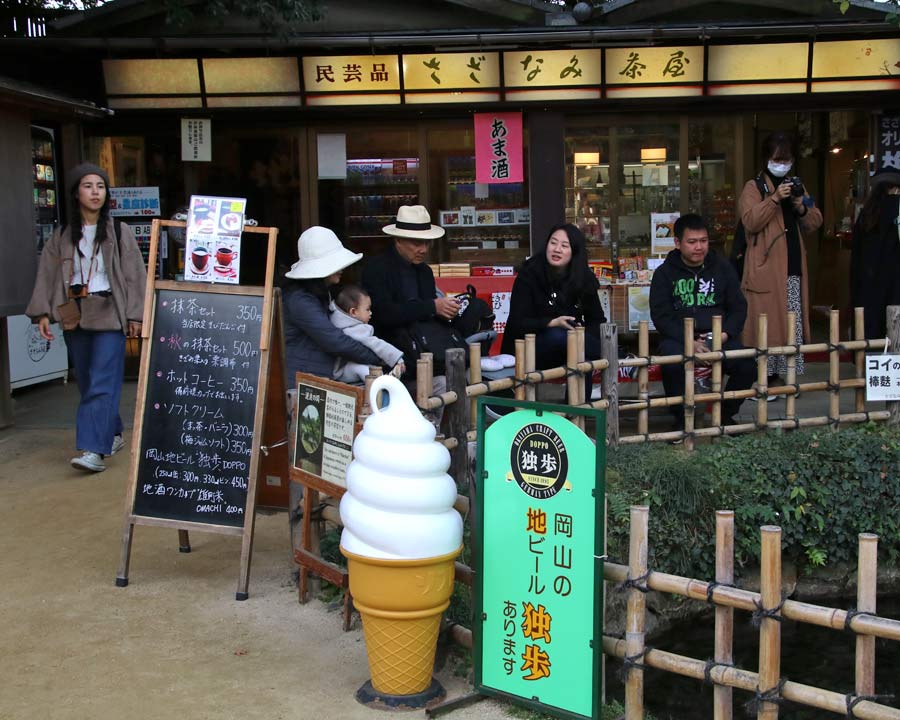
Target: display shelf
(374, 190)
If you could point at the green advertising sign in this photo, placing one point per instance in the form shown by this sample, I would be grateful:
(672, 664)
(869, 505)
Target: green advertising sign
(539, 572)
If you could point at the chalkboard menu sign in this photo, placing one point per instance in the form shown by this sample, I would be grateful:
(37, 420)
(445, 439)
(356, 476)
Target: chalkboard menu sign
(198, 422)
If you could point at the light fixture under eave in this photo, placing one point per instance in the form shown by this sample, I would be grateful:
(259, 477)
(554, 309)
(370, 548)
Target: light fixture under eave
(653, 155)
(835, 150)
(587, 158)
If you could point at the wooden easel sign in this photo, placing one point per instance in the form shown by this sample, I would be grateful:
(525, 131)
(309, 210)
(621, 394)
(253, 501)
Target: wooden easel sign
(200, 411)
(326, 421)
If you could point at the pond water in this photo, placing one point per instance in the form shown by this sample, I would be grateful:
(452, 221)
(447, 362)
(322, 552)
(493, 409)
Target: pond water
(811, 655)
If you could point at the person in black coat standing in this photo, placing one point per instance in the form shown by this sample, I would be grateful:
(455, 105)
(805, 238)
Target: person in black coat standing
(555, 291)
(875, 259)
(693, 282)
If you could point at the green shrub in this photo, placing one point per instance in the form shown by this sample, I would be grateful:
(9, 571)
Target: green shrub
(822, 488)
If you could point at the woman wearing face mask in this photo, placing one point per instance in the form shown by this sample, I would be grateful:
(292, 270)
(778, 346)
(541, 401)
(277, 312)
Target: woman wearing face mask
(874, 274)
(775, 272)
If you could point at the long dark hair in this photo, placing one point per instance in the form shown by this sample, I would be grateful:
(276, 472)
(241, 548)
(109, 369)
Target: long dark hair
(576, 278)
(871, 209)
(778, 140)
(314, 286)
(76, 221)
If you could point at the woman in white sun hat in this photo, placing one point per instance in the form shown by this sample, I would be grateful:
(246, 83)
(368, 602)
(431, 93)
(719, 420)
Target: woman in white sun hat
(312, 342)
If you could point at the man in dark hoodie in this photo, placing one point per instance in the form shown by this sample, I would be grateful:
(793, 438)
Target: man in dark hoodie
(693, 282)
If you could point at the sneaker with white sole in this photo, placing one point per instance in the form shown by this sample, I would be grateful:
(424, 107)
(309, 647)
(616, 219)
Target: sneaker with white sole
(89, 461)
(118, 444)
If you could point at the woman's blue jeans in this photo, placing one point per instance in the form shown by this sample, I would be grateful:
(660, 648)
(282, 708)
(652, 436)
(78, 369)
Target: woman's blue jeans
(98, 358)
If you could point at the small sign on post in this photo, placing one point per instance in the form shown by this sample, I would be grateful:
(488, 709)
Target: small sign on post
(882, 377)
(539, 559)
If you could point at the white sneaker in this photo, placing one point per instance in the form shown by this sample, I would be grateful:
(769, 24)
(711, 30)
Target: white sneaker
(491, 364)
(118, 444)
(507, 360)
(89, 461)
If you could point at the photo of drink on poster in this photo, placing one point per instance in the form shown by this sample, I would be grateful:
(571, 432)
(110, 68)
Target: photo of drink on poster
(213, 245)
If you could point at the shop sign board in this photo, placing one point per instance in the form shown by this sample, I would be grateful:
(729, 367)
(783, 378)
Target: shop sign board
(889, 141)
(654, 65)
(539, 564)
(451, 71)
(498, 148)
(758, 69)
(134, 201)
(856, 58)
(366, 75)
(552, 68)
(882, 377)
(326, 413)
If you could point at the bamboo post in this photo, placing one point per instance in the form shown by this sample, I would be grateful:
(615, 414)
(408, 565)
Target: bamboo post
(688, 383)
(530, 364)
(893, 332)
(609, 379)
(474, 378)
(834, 370)
(859, 333)
(770, 628)
(643, 376)
(866, 593)
(790, 378)
(583, 393)
(457, 416)
(423, 379)
(716, 379)
(635, 612)
(762, 370)
(571, 361)
(722, 695)
(520, 369)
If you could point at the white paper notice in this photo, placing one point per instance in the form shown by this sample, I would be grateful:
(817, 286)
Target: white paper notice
(332, 153)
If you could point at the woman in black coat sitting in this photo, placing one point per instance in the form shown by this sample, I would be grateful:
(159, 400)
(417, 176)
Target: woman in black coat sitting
(554, 292)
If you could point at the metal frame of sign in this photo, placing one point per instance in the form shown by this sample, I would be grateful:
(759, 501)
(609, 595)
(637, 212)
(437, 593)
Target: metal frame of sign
(267, 323)
(305, 556)
(599, 493)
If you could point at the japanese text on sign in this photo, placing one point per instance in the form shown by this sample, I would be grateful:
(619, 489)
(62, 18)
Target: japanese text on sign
(498, 148)
(882, 377)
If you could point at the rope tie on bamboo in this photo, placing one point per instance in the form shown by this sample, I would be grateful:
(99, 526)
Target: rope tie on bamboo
(854, 700)
(440, 399)
(709, 667)
(762, 613)
(772, 695)
(711, 588)
(638, 583)
(852, 613)
(632, 662)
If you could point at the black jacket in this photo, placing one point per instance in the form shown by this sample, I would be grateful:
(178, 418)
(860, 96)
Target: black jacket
(679, 291)
(538, 297)
(401, 292)
(875, 267)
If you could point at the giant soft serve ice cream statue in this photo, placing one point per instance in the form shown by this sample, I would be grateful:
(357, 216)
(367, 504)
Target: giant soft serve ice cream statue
(401, 537)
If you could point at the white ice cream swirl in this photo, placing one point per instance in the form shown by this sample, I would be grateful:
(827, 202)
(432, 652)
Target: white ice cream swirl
(399, 499)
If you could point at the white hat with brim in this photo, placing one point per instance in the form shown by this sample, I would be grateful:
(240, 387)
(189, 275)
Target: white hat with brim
(320, 254)
(413, 221)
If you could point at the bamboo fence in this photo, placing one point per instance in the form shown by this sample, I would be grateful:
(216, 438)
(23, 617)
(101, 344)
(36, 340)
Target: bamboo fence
(527, 380)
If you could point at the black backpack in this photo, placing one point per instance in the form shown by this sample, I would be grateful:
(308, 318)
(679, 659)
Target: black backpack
(475, 314)
(739, 245)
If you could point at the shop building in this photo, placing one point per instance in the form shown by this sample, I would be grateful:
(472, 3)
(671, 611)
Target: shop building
(630, 113)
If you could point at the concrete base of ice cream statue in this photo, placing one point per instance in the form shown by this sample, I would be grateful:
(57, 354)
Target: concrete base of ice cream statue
(401, 538)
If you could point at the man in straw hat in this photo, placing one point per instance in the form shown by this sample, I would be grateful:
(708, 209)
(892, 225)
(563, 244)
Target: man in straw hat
(401, 284)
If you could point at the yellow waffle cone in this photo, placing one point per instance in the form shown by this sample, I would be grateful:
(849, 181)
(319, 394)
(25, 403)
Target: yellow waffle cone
(401, 603)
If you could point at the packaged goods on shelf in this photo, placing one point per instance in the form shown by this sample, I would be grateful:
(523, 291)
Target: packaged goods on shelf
(493, 271)
(454, 270)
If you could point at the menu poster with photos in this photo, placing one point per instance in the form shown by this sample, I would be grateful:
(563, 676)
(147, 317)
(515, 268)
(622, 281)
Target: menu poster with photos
(662, 232)
(213, 242)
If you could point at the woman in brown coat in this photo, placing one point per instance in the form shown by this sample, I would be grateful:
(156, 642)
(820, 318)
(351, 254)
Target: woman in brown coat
(91, 279)
(775, 271)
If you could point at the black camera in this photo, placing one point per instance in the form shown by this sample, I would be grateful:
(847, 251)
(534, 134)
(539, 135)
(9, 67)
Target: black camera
(796, 186)
(78, 291)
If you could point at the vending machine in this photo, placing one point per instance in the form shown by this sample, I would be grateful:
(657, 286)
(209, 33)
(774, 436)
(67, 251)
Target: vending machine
(32, 359)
